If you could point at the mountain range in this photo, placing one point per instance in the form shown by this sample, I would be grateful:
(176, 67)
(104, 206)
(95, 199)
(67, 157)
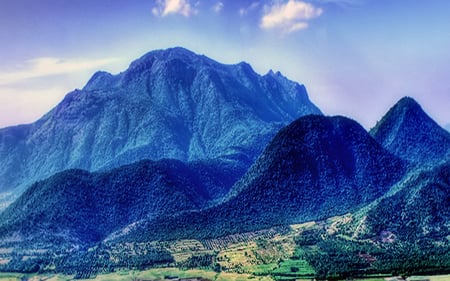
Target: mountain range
(182, 148)
(314, 168)
(167, 104)
(84, 208)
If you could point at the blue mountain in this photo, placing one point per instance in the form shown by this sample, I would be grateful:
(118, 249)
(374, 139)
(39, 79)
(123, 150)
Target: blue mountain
(80, 207)
(419, 211)
(408, 132)
(316, 167)
(168, 104)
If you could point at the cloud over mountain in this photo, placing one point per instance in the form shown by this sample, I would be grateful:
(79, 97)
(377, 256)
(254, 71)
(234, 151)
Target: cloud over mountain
(167, 7)
(289, 17)
(48, 66)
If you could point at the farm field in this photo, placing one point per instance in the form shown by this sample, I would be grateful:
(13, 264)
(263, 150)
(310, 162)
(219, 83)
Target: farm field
(282, 254)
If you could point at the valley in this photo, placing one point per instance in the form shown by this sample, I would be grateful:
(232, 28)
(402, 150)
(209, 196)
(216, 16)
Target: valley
(187, 275)
(319, 249)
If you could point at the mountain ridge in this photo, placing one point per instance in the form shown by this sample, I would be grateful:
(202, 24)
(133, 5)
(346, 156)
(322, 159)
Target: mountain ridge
(359, 204)
(85, 208)
(168, 104)
(231, 152)
(408, 132)
(314, 168)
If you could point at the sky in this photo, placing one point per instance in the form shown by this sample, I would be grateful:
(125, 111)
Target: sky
(355, 57)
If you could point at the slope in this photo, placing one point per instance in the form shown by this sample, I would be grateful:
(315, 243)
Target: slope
(408, 132)
(314, 168)
(168, 104)
(76, 207)
(421, 210)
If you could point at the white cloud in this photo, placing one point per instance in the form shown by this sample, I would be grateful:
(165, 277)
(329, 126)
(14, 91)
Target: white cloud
(289, 17)
(297, 26)
(218, 7)
(167, 7)
(47, 66)
(245, 11)
(39, 84)
(26, 105)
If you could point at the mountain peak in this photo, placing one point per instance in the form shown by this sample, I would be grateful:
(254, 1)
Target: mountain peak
(100, 79)
(408, 104)
(172, 53)
(169, 103)
(314, 168)
(321, 142)
(408, 132)
(176, 53)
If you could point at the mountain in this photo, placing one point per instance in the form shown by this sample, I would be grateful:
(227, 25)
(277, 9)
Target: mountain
(421, 210)
(168, 104)
(368, 212)
(315, 168)
(80, 208)
(405, 232)
(408, 132)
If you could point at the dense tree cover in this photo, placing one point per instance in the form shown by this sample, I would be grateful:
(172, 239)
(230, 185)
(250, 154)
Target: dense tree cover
(408, 132)
(340, 258)
(205, 261)
(168, 104)
(420, 210)
(315, 168)
(86, 207)
(86, 263)
(19, 263)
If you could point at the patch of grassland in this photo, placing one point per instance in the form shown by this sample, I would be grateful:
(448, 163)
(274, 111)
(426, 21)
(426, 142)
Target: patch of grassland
(293, 269)
(238, 256)
(10, 276)
(436, 277)
(370, 279)
(225, 276)
(261, 269)
(161, 273)
(33, 277)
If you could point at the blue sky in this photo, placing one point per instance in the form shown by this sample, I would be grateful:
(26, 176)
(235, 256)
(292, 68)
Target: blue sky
(356, 57)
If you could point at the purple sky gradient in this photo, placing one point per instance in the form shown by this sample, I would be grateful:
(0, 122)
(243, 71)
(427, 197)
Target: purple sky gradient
(356, 57)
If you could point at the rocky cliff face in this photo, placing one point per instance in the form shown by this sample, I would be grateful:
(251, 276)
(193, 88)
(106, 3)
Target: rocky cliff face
(167, 104)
